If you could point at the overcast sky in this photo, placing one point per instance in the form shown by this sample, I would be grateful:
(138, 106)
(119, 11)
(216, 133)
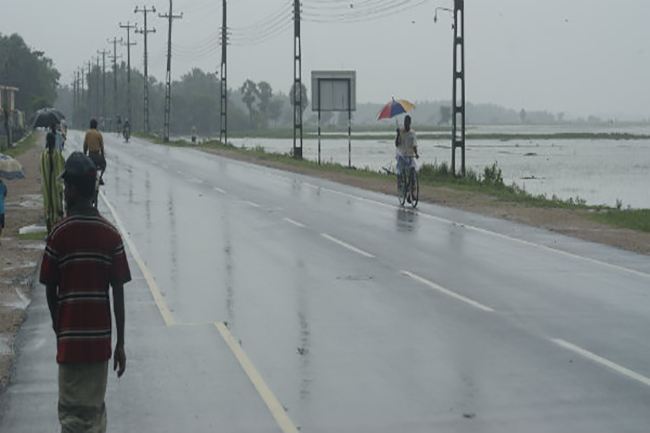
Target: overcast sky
(579, 57)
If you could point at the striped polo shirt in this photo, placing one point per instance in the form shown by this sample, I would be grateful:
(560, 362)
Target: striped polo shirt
(84, 253)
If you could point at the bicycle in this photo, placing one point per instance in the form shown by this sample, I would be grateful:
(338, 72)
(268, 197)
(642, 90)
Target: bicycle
(98, 183)
(126, 133)
(408, 187)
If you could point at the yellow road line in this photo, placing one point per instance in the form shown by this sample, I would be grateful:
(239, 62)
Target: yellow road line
(270, 400)
(153, 287)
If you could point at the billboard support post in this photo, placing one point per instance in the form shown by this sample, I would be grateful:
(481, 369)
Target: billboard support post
(334, 91)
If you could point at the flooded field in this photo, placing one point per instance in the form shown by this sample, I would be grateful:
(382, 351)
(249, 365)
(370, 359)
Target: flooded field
(600, 171)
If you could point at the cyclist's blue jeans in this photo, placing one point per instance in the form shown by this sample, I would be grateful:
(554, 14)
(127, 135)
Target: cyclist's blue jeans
(404, 161)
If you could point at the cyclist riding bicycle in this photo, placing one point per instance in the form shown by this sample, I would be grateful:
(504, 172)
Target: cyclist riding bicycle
(407, 148)
(94, 148)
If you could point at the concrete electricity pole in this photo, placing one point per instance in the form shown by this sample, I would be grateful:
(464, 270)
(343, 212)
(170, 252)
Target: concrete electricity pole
(128, 44)
(297, 82)
(103, 53)
(168, 85)
(114, 41)
(223, 135)
(144, 32)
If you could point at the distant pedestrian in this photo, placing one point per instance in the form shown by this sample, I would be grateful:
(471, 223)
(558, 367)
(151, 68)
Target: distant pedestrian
(84, 255)
(193, 134)
(3, 194)
(51, 164)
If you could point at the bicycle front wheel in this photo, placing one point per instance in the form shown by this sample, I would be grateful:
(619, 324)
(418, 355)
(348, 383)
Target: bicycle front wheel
(415, 188)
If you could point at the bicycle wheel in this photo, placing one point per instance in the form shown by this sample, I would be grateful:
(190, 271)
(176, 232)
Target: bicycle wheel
(401, 189)
(95, 197)
(415, 188)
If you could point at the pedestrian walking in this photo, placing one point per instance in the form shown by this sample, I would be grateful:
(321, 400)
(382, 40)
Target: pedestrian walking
(51, 164)
(3, 194)
(84, 256)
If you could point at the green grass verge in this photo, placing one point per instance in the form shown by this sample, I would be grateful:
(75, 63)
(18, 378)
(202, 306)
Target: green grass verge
(635, 219)
(23, 145)
(489, 182)
(32, 236)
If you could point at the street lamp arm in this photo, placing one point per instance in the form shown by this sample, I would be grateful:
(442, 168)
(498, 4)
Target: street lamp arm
(435, 15)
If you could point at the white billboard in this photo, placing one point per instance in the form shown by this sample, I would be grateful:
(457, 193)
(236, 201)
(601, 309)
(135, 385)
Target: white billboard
(333, 90)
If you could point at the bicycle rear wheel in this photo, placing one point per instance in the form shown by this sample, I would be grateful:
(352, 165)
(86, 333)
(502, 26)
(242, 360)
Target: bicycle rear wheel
(415, 188)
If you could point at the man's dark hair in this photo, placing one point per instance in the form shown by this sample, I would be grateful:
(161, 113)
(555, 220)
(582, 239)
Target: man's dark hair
(85, 185)
(93, 123)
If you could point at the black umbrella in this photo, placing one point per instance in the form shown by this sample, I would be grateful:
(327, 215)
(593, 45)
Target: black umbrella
(46, 117)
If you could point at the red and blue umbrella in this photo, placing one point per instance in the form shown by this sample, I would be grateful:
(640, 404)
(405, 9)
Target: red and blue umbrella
(395, 108)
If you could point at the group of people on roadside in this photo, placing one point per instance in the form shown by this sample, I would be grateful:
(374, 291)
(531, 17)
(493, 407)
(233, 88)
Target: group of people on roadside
(84, 258)
(52, 164)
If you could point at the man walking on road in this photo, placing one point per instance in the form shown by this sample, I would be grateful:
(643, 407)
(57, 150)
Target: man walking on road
(84, 254)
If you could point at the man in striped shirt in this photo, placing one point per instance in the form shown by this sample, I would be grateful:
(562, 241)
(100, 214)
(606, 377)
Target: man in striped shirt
(84, 255)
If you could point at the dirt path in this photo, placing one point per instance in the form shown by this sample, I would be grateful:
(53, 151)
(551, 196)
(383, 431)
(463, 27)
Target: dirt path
(19, 258)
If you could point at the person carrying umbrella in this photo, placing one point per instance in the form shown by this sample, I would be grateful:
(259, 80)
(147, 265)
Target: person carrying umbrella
(52, 163)
(407, 148)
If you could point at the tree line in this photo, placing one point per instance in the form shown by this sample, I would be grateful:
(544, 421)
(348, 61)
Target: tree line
(30, 71)
(196, 102)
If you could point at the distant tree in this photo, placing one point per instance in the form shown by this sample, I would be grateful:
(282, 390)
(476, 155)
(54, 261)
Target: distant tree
(30, 71)
(445, 115)
(249, 90)
(265, 93)
(305, 99)
(275, 110)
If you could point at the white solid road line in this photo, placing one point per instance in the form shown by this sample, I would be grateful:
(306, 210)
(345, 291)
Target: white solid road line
(448, 292)
(295, 223)
(274, 406)
(348, 246)
(602, 361)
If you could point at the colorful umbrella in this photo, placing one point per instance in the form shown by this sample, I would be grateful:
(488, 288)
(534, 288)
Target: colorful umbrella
(394, 108)
(10, 168)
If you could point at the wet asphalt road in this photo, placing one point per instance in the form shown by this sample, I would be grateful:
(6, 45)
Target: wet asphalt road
(264, 301)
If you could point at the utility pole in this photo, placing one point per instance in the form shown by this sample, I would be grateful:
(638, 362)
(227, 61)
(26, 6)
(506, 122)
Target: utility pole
(458, 137)
(97, 103)
(297, 82)
(74, 93)
(129, 44)
(458, 87)
(89, 93)
(168, 85)
(83, 93)
(114, 78)
(145, 31)
(223, 135)
(103, 53)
